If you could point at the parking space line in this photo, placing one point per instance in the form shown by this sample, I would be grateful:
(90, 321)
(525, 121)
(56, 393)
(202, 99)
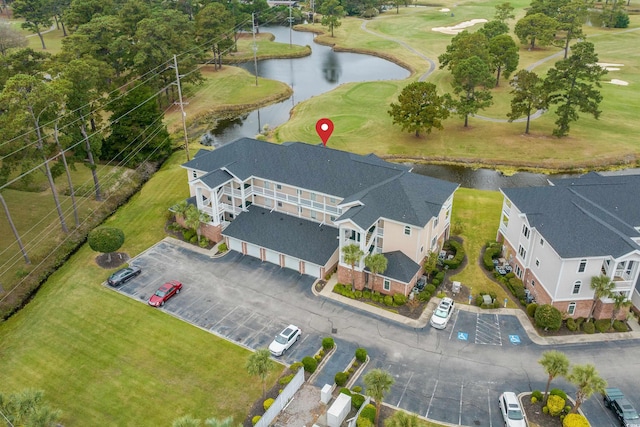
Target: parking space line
(460, 413)
(224, 317)
(405, 389)
(435, 386)
(454, 325)
(488, 332)
(489, 403)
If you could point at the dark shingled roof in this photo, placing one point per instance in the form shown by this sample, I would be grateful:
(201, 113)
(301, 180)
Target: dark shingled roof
(286, 234)
(386, 189)
(399, 267)
(592, 215)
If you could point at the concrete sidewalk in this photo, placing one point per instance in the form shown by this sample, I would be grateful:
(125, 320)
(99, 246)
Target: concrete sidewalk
(421, 322)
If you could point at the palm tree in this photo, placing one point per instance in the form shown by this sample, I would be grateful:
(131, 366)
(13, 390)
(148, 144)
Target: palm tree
(376, 263)
(186, 421)
(588, 381)
(602, 287)
(259, 364)
(619, 302)
(402, 419)
(555, 363)
(352, 255)
(214, 422)
(193, 217)
(378, 382)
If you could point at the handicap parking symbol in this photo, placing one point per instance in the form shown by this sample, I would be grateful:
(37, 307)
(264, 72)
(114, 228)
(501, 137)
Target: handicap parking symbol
(463, 336)
(515, 339)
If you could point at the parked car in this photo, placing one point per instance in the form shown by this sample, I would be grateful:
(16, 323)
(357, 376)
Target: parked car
(442, 313)
(284, 340)
(511, 410)
(165, 292)
(123, 275)
(620, 405)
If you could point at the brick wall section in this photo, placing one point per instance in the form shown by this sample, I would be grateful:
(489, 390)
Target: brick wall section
(211, 232)
(377, 284)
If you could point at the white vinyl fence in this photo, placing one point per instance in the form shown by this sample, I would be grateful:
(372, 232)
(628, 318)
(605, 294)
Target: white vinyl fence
(282, 400)
(352, 421)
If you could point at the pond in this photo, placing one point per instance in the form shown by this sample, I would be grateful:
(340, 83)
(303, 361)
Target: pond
(309, 76)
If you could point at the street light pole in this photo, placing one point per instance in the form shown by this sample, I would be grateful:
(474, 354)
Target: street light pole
(255, 47)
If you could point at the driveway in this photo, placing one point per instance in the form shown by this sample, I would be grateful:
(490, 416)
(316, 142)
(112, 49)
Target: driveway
(453, 375)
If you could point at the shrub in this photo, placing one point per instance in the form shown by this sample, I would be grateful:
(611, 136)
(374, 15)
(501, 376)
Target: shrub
(440, 276)
(375, 297)
(356, 389)
(588, 327)
(361, 355)
(366, 294)
(369, 412)
(286, 379)
(193, 240)
(388, 300)
(350, 371)
(435, 282)
(548, 317)
(441, 294)
(430, 288)
(399, 299)
(357, 400)
(537, 394)
(492, 251)
(204, 242)
(496, 304)
(424, 296)
(534, 399)
(620, 326)
(555, 405)
(328, 343)
(339, 288)
(295, 366)
(310, 364)
(571, 324)
(358, 294)
(321, 352)
(545, 409)
(318, 358)
(341, 378)
(558, 392)
(255, 419)
(188, 234)
(479, 300)
(580, 321)
(457, 258)
(531, 309)
(267, 403)
(363, 422)
(575, 420)
(346, 391)
(602, 325)
(105, 239)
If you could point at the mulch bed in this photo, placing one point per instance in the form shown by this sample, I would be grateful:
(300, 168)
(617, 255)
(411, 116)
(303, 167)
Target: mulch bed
(112, 260)
(178, 235)
(537, 417)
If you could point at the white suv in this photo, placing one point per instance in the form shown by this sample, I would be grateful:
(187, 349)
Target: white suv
(511, 410)
(284, 340)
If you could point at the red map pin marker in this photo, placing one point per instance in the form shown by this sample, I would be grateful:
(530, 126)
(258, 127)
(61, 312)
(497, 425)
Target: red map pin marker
(324, 128)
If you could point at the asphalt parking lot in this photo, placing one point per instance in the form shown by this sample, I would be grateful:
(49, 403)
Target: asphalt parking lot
(453, 375)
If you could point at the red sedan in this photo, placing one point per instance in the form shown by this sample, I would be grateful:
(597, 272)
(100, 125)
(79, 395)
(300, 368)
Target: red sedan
(165, 292)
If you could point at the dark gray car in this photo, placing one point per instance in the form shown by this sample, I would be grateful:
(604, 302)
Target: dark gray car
(123, 275)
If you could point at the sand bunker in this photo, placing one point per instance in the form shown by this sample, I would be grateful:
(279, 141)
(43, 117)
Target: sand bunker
(459, 27)
(619, 82)
(444, 9)
(610, 66)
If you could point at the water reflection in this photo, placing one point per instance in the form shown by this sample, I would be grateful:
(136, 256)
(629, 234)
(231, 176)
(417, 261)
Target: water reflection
(331, 67)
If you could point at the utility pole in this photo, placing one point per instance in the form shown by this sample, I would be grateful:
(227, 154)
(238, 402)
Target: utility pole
(184, 120)
(290, 23)
(255, 46)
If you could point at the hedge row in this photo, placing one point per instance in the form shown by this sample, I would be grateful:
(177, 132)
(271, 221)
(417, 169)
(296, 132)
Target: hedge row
(456, 247)
(394, 300)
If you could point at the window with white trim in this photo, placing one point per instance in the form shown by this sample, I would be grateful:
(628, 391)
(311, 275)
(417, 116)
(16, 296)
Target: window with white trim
(435, 222)
(279, 187)
(267, 185)
(433, 242)
(194, 174)
(314, 215)
(525, 231)
(279, 204)
(268, 203)
(541, 242)
(583, 266)
(537, 262)
(387, 285)
(333, 218)
(522, 251)
(407, 230)
(576, 287)
(518, 271)
(571, 308)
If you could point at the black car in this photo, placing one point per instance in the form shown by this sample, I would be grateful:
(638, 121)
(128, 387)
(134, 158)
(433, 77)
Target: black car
(123, 275)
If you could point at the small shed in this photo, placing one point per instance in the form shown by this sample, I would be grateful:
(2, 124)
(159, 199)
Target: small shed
(339, 410)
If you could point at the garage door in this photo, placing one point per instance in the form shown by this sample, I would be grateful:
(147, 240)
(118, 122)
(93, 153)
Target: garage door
(235, 245)
(253, 250)
(312, 270)
(292, 263)
(272, 257)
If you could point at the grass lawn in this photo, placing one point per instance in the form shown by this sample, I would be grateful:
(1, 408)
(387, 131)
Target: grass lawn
(105, 359)
(475, 218)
